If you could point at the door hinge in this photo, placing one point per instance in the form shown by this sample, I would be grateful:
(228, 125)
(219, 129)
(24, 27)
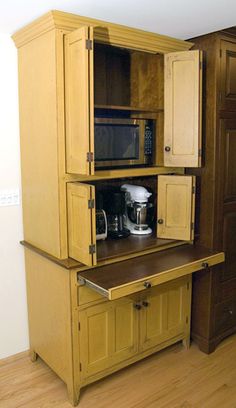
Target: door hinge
(199, 152)
(91, 204)
(187, 319)
(220, 96)
(89, 44)
(192, 226)
(200, 64)
(193, 190)
(188, 286)
(220, 52)
(92, 249)
(80, 367)
(79, 326)
(89, 157)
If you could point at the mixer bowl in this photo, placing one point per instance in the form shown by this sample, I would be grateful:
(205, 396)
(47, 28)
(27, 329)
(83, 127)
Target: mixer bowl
(140, 214)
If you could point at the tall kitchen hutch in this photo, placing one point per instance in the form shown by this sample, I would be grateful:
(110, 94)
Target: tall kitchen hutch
(97, 306)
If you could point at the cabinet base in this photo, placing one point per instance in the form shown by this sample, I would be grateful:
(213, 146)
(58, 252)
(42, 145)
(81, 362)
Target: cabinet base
(208, 346)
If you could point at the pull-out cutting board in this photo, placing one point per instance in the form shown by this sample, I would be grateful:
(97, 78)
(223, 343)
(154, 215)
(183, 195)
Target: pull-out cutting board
(124, 278)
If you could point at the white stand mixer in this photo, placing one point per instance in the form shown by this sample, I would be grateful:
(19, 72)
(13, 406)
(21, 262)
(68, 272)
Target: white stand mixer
(137, 209)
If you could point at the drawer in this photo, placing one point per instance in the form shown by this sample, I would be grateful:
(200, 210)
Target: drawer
(225, 316)
(87, 295)
(134, 275)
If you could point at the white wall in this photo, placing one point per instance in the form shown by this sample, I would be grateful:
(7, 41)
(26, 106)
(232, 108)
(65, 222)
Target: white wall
(13, 308)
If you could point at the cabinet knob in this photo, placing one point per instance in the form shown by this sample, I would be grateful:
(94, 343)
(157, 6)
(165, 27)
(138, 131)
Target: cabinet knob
(205, 265)
(228, 311)
(137, 306)
(147, 285)
(160, 221)
(167, 148)
(145, 303)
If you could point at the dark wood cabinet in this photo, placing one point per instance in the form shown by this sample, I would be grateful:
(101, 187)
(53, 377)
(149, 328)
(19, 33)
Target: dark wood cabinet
(214, 290)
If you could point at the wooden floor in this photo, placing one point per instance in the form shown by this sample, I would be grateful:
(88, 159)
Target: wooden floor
(169, 379)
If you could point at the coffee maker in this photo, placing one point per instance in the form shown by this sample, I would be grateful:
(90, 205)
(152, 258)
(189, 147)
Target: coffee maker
(114, 201)
(139, 211)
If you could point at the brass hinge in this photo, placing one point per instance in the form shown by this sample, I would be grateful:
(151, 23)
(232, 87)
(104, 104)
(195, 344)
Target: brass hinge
(199, 152)
(80, 367)
(89, 45)
(192, 225)
(92, 249)
(220, 52)
(188, 286)
(220, 96)
(193, 189)
(187, 319)
(200, 64)
(91, 204)
(89, 157)
(79, 326)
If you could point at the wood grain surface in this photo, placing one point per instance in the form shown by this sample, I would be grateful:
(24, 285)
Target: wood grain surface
(172, 378)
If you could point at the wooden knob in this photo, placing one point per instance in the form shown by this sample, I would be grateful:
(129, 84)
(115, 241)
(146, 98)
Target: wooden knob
(145, 303)
(137, 306)
(205, 265)
(167, 148)
(160, 221)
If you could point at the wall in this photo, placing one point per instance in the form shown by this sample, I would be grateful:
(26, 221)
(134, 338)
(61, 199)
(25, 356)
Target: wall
(13, 308)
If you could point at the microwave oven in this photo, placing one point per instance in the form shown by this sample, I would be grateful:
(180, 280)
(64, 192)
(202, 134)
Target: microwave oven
(123, 142)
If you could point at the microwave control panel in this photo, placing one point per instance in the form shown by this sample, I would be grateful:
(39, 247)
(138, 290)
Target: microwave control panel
(148, 139)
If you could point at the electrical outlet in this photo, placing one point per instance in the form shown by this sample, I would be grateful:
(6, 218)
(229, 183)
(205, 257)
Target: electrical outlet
(9, 197)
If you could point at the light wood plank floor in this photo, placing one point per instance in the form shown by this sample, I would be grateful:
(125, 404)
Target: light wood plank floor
(173, 378)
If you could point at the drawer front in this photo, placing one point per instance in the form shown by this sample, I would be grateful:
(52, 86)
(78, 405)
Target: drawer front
(225, 316)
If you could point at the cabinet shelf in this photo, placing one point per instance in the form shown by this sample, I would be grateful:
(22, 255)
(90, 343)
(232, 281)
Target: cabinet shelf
(112, 248)
(128, 108)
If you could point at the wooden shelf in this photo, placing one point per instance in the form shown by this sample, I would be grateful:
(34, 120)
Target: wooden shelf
(128, 108)
(118, 248)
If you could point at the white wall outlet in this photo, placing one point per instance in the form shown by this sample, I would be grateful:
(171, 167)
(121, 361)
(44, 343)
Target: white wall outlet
(9, 197)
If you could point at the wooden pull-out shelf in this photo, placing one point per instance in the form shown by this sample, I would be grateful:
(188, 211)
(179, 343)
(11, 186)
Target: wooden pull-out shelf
(133, 275)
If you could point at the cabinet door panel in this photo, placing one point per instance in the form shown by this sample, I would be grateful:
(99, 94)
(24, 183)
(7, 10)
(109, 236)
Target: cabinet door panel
(81, 222)
(182, 126)
(228, 75)
(166, 313)
(79, 101)
(176, 205)
(108, 335)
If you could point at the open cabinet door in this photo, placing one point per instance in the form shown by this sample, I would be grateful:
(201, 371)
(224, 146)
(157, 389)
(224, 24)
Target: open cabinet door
(176, 207)
(183, 109)
(81, 223)
(79, 101)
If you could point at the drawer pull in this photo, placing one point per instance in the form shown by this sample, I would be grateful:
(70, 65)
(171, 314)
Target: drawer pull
(160, 221)
(147, 285)
(137, 306)
(230, 311)
(145, 303)
(205, 265)
(167, 148)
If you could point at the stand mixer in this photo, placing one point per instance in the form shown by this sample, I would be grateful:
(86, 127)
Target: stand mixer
(139, 212)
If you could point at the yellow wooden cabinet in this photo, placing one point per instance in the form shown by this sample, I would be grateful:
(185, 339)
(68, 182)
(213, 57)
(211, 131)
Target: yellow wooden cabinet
(69, 67)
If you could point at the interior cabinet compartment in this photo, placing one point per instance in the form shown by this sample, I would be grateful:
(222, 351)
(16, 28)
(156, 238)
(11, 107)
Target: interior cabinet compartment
(171, 217)
(128, 83)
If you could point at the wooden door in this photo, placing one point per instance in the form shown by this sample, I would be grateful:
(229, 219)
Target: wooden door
(81, 222)
(176, 207)
(228, 76)
(165, 313)
(182, 107)
(108, 335)
(79, 101)
(227, 197)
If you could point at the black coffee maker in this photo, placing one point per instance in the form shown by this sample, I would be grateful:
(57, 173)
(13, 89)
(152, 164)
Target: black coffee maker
(114, 201)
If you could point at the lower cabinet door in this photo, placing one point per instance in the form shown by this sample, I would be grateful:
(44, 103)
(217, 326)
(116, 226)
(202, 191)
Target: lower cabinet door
(165, 313)
(108, 335)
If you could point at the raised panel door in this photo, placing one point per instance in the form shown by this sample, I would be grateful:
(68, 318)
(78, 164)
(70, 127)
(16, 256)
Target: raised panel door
(108, 335)
(165, 313)
(182, 107)
(228, 76)
(176, 207)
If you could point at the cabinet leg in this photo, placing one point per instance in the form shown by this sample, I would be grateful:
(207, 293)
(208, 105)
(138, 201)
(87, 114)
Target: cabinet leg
(33, 355)
(186, 342)
(73, 394)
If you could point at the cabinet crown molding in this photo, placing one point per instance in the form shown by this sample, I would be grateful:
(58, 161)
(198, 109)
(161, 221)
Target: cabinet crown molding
(105, 32)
